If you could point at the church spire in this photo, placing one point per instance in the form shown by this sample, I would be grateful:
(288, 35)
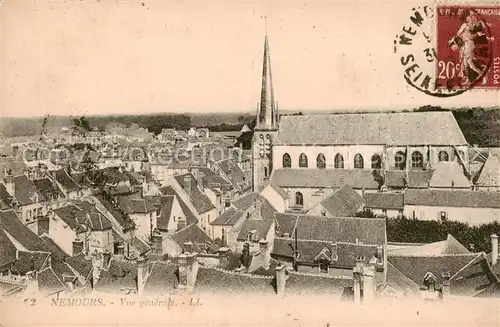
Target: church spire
(267, 115)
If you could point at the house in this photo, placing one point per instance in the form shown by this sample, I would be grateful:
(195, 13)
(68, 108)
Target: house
(277, 196)
(475, 208)
(444, 264)
(141, 211)
(219, 191)
(29, 201)
(344, 202)
(389, 204)
(66, 184)
(135, 159)
(232, 173)
(80, 227)
(322, 245)
(174, 244)
(123, 226)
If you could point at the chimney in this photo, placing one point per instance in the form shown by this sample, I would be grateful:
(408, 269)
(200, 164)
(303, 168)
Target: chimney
(369, 281)
(380, 254)
(258, 207)
(494, 249)
(224, 257)
(187, 184)
(188, 247)
(334, 251)
(181, 223)
(157, 242)
(281, 277)
(357, 282)
(54, 179)
(77, 246)
(97, 261)
(188, 268)
(264, 254)
(452, 185)
(142, 274)
(43, 225)
(245, 256)
(445, 287)
(120, 249)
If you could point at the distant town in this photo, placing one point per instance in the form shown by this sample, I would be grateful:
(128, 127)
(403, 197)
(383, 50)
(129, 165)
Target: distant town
(356, 206)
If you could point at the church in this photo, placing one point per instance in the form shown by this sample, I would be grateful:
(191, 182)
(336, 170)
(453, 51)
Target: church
(310, 156)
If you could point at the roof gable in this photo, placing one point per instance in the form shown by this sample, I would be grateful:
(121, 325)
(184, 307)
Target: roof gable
(449, 174)
(490, 172)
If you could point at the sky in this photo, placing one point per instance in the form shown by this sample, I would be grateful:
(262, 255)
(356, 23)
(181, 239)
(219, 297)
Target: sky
(108, 57)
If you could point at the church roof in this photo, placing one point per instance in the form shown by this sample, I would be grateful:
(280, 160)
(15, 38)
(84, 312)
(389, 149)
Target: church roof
(402, 128)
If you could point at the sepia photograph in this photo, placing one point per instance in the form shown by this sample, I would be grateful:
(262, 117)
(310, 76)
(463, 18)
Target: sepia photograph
(245, 163)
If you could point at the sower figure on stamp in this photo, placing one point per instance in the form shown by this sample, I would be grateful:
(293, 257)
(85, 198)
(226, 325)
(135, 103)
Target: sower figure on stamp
(464, 42)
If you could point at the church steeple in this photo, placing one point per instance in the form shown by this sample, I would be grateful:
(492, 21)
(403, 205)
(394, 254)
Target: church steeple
(267, 116)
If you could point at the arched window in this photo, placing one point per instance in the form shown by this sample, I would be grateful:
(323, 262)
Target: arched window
(376, 161)
(400, 160)
(287, 161)
(417, 160)
(320, 161)
(443, 156)
(358, 161)
(339, 161)
(265, 171)
(299, 199)
(303, 160)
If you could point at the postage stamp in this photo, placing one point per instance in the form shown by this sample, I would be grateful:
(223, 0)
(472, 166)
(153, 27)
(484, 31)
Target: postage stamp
(448, 50)
(468, 47)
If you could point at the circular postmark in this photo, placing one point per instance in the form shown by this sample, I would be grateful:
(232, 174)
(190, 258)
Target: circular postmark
(445, 51)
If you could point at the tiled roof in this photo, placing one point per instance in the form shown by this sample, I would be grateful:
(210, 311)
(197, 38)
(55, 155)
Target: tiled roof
(384, 200)
(267, 211)
(15, 166)
(66, 181)
(309, 249)
(5, 198)
(447, 173)
(26, 261)
(490, 172)
(190, 216)
(8, 249)
(163, 219)
(285, 223)
(192, 234)
(415, 128)
(120, 216)
(199, 200)
(210, 178)
(449, 246)
(212, 281)
(47, 188)
(162, 279)
(49, 283)
(305, 284)
(55, 251)
(228, 218)
(452, 198)
(260, 226)
(416, 179)
(81, 264)
(473, 278)
(10, 223)
(400, 282)
(347, 229)
(324, 178)
(344, 202)
(26, 191)
(120, 275)
(135, 204)
(281, 192)
(234, 173)
(114, 176)
(83, 213)
(415, 267)
(140, 245)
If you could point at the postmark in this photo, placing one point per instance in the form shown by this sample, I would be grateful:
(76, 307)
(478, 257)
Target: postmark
(425, 48)
(468, 47)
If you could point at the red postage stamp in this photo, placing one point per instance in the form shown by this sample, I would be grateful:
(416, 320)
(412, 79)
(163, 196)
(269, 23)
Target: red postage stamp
(468, 47)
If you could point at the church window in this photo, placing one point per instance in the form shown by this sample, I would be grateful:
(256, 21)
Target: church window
(339, 161)
(376, 161)
(443, 156)
(287, 161)
(417, 160)
(320, 161)
(303, 161)
(299, 199)
(358, 161)
(400, 160)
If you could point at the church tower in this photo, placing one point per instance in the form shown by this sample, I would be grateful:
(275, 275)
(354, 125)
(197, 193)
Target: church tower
(266, 128)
